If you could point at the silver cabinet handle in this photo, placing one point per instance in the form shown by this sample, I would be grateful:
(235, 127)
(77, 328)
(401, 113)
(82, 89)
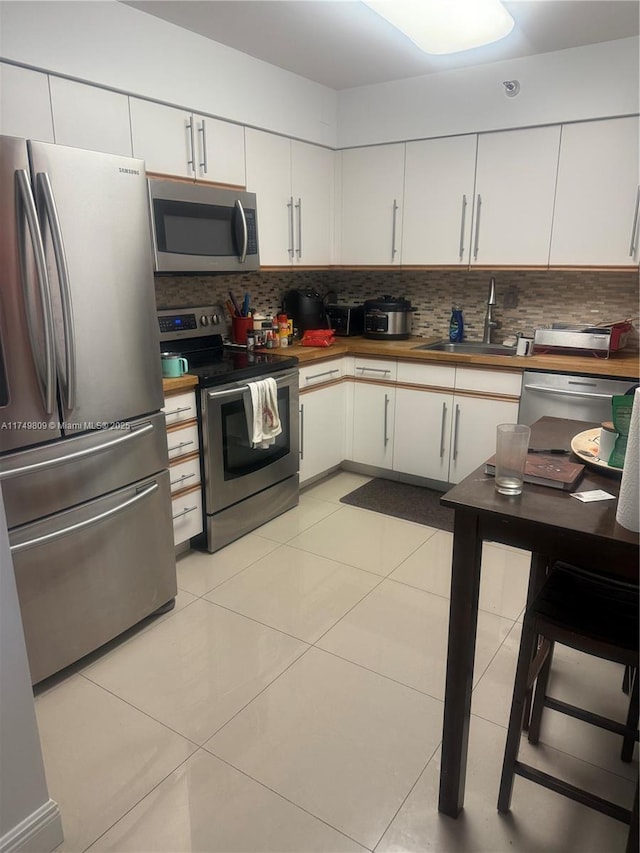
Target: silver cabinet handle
(26, 210)
(185, 511)
(179, 446)
(78, 454)
(386, 407)
(203, 130)
(290, 210)
(298, 207)
(477, 234)
(182, 479)
(394, 250)
(245, 233)
(455, 433)
(462, 221)
(81, 525)
(374, 369)
(45, 194)
(178, 411)
(634, 227)
(192, 145)
(444, 419)
(320, 375)
(301, 412)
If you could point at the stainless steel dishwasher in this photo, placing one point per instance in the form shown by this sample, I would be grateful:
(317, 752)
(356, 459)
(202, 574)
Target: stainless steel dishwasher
(560, 395)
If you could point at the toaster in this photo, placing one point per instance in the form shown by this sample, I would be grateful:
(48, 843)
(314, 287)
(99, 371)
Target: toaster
(346, 319)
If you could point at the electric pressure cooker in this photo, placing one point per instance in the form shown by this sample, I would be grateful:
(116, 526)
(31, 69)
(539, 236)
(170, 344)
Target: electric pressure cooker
(387, 318)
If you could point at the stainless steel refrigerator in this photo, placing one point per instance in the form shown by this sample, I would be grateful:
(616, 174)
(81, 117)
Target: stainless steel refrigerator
(83, 457)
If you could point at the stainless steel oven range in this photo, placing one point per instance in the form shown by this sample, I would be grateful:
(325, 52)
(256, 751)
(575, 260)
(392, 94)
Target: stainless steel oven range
(244, 486)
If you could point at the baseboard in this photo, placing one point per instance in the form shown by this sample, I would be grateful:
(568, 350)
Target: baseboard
(386, 474)
(40, 832)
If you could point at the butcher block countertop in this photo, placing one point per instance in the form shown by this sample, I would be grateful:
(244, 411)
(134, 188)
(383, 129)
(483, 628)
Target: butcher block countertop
(622, 365)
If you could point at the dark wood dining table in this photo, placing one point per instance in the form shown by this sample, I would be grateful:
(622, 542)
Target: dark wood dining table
(549, 523)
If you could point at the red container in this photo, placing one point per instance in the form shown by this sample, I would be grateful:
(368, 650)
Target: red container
(239, 328)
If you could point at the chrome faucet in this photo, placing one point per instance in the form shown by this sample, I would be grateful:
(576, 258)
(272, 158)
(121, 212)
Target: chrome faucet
(489, 322)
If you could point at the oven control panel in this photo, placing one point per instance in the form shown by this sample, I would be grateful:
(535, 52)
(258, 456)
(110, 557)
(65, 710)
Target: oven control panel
(194, 321)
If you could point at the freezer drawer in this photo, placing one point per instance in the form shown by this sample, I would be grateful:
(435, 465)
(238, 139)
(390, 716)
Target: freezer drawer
(86, 575)
(48, 479)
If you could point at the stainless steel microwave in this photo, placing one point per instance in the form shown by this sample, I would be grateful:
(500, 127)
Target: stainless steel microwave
(203, 229)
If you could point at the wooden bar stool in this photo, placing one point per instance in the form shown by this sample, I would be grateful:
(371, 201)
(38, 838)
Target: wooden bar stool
(597, 615)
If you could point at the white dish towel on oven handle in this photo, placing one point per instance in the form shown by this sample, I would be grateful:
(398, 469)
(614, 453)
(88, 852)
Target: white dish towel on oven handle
(261, 409)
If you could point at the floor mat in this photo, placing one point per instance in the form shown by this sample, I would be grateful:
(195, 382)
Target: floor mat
(413, 503)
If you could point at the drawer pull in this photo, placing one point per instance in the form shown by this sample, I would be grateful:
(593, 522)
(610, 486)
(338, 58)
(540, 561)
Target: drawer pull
(178, 411)
(374, 369)
(319, 375)
(182, 479)
(179, 446)
(185, 511)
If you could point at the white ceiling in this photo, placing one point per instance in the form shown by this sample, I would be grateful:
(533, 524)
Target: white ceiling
(343, 43)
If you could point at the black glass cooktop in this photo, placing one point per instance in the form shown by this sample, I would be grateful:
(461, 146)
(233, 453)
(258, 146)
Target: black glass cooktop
(217, 366)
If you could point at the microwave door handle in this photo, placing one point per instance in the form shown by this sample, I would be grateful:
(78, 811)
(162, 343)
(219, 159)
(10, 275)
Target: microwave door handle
(152, 219)
(245, 233)
(26, 209)
(45, 192)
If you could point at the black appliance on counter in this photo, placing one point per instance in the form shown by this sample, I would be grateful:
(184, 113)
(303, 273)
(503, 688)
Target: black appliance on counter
(387, 318)
(346, 319)
(244, 486)
(306, 308)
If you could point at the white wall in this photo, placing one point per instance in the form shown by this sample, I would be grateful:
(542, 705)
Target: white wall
(582, 83)
(29, 820)
(118, 46)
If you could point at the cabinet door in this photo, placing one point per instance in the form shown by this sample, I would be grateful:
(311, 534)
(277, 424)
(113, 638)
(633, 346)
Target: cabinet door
(373, 422)
(438, 200)
(597, 196)
(164, 137)
(515, 185)
(312, 171)
(89, 117)
(25, 105)
(322, 429)
(372, 190)
(474, 432)
(422, 431)
(269, 176)
(219, 151)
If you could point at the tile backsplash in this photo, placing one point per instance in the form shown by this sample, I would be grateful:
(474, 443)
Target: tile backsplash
(526, 299)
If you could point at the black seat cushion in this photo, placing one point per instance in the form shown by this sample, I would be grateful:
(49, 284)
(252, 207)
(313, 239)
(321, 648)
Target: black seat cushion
(596, 606)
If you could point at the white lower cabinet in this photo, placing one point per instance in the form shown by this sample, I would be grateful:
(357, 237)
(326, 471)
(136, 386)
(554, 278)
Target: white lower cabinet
(184, 465)
(186, 511)
(322, 430)
(373, 424)
(473, 437)
(422, 438)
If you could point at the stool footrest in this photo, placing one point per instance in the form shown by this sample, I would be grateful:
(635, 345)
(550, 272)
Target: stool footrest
(589, 717)
(578, 794)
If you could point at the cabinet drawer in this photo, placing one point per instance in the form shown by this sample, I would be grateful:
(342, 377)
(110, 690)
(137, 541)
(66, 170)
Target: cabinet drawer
(319, 374)
(488, 381)
(183, 475)
(180, 407)
(181, 442)
(434, 375)
(186, 511)
(375, 368)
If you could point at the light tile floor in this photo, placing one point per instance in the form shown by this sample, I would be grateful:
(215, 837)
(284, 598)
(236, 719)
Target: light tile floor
(293, 702)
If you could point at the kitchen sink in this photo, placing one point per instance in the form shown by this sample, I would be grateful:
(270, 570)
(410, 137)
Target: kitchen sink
(469, 348)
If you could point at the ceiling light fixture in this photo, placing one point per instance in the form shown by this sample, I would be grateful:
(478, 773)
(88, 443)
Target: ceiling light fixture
(446, 26)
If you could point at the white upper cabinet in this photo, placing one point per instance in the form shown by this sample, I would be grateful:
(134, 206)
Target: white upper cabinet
(25, 105)
(438, 200)
(372, 204)
(176, 142)
(514, 194)
(293, 182)
(89, 117)
(596, 213)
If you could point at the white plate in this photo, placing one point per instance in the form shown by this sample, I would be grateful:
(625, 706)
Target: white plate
(586, 445)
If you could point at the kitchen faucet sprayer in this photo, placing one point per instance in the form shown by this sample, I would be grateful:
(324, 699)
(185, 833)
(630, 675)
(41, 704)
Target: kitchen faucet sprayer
(489, 322)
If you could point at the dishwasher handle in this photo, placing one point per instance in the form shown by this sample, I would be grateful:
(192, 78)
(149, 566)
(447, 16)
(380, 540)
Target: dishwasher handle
(563, 392)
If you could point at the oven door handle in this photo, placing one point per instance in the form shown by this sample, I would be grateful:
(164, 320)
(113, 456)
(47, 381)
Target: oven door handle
(240, 389)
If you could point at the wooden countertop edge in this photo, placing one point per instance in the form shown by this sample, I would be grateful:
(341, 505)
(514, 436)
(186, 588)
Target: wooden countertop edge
(623, 365)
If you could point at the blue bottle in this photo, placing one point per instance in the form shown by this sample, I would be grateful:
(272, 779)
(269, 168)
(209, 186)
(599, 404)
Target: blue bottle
(456, 325)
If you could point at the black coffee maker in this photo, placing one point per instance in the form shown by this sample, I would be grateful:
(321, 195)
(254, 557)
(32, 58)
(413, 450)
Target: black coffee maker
(306, 309)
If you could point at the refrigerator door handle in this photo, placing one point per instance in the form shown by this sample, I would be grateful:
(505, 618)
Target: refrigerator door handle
(73, 528)
(68, 383)
(79, 454)
(26, 209)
